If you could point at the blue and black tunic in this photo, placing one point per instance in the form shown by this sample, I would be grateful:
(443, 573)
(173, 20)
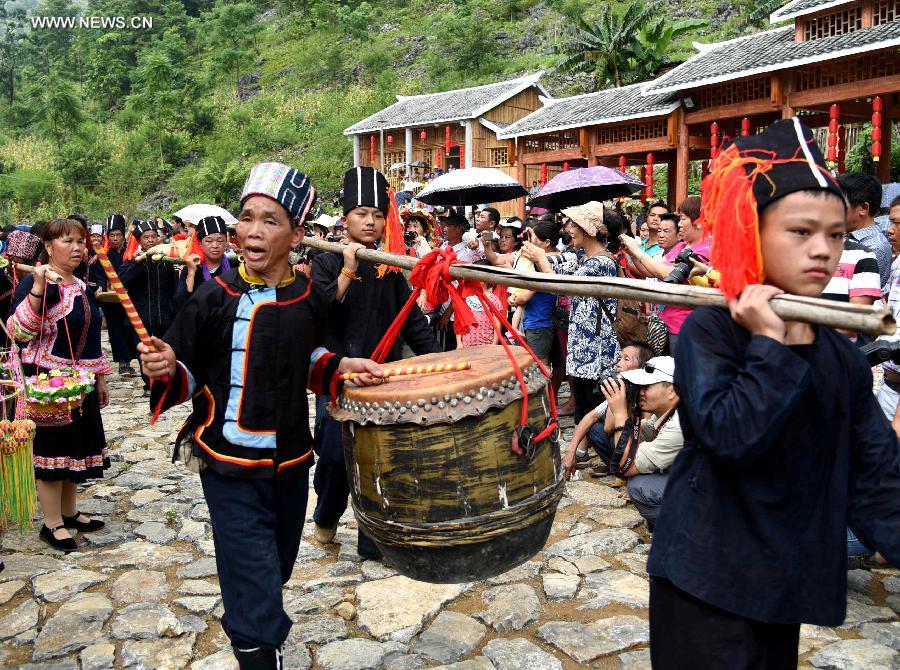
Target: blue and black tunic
(246, 354)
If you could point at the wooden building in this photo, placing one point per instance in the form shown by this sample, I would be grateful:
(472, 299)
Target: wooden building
(446, 130)
(834, 52)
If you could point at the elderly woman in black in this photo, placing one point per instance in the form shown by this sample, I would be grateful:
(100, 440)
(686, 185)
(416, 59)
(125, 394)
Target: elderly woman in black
(60, 327)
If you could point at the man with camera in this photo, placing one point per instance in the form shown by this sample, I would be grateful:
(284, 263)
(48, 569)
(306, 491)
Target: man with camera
(598, 437)
(676, 264)
(645, 448)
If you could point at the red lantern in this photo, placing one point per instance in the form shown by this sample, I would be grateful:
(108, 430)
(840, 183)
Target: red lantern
(372, 149)
(876, 128)
(649, 181)
(543, 173)
(390, 140)
(745, 127)
(447, 140)
(622, 163)
(842, 149)
(833, 113)
(423, 135)
(643, 179)
(714, 140)
(566, 166)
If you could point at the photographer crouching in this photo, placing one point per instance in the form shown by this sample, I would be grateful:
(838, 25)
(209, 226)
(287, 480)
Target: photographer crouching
(645, 448)
(676, 264)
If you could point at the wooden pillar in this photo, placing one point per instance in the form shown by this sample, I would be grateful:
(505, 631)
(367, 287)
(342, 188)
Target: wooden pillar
(522, 177)
(868, 14)
(883, 170)
(381, 150)
(470, 135)
(409, 150)
(782, 87)
(682, 163)
(356, 152)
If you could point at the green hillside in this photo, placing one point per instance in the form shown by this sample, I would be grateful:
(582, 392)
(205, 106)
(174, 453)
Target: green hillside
(142, 121)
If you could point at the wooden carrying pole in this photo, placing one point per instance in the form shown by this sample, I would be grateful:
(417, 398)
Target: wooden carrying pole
(859, 318)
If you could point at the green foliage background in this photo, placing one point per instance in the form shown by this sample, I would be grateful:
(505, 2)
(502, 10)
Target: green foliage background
(144, 121)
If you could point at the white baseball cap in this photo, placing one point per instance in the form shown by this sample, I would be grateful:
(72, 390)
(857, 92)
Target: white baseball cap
(657, 369)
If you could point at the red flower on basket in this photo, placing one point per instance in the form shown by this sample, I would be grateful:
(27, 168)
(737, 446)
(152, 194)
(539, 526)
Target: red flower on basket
(58, 390)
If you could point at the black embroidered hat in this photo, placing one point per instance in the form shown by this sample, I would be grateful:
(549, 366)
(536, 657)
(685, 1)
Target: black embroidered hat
(139, 227)
(748, 175)
(116, 222)
(797, 163)
(209, 225)
(365, 187)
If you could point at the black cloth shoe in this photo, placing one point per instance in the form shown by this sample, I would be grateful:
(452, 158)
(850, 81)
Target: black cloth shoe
(82, 526)
(258, 659)
(65, 545)
(124, 369)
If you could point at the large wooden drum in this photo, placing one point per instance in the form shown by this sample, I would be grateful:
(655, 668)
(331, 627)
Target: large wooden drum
(433, 476)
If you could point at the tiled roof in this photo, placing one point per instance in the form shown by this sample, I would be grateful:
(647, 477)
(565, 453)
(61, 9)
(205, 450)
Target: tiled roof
(801, 7)
(464, 103)
(768, 51)
(609, 106)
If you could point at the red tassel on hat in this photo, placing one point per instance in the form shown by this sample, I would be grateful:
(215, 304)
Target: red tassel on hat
(393, 235)
(730, 211)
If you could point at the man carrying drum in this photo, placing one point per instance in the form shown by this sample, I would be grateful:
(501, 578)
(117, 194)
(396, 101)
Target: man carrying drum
(249, 433)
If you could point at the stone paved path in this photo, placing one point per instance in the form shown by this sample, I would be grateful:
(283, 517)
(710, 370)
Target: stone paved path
(143, 594)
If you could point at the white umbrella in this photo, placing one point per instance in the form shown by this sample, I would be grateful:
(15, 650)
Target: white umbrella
(194, 213)
(471, 185)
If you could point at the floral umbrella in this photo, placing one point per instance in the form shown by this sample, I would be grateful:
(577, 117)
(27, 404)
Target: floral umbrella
(582, 185)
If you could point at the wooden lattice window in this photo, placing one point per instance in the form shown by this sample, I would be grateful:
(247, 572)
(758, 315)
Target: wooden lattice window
(427, 155)
(732, 92)
(885, 11)
(499, 156)
(392, 157)
(868, 66)
(629, 132)
(835, 23)
(568, 139)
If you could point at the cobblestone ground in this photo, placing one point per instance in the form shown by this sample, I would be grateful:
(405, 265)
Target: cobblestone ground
(143, 593)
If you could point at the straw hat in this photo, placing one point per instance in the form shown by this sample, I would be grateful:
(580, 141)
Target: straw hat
(588, 217)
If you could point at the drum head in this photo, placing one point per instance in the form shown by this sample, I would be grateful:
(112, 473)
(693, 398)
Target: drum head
(445, 396)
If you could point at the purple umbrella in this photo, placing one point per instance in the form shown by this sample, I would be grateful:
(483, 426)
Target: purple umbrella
(581, 185)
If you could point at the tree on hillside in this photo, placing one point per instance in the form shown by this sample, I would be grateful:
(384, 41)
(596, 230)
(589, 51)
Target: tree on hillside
(762, 9)
(55, 106)
(156, 93)
(12, 48)
(619, 48)
(233, 30)
(658, 43)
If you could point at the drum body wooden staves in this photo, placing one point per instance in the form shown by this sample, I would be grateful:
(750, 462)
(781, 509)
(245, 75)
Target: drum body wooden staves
(433, 477)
